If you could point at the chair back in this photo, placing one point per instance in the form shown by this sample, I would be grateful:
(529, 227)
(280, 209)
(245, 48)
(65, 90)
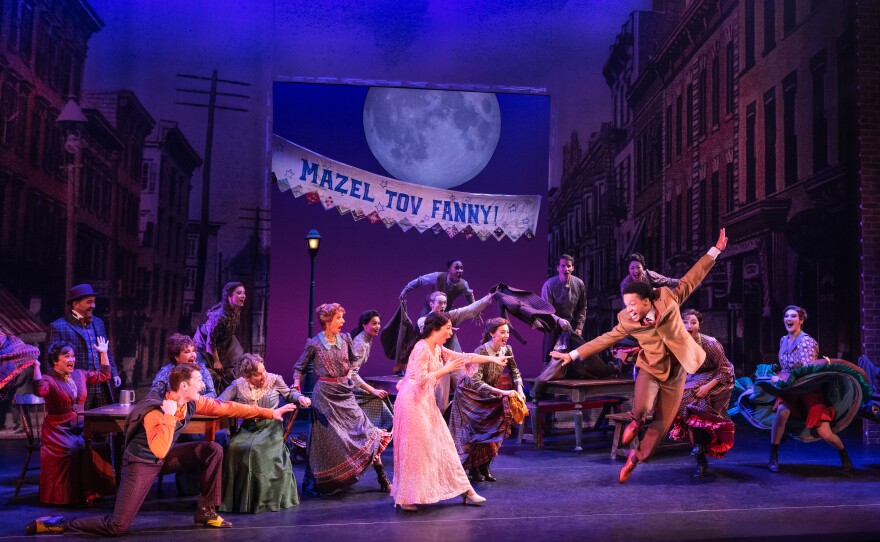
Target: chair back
(32, 410)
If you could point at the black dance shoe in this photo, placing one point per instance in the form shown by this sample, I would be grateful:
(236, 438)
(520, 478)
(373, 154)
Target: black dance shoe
(475, 475)
(384, 483)
(702, 466)
(487, 474)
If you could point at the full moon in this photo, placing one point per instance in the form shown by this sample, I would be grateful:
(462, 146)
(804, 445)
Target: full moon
(437, 138)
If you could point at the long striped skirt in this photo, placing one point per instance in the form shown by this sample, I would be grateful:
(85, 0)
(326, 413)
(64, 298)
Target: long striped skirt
(342, 443)
(478, 424)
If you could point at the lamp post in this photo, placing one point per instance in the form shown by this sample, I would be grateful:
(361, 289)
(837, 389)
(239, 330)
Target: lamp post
(313, 240)
(71, 120)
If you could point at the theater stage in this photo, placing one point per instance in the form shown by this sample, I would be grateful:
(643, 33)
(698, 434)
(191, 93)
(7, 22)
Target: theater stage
(550, 494)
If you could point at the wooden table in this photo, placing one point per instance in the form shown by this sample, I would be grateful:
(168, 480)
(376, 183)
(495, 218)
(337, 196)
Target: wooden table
(581, 390)
(111, 419)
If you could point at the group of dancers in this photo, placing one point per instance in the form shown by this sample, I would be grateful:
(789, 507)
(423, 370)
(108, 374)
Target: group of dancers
(683, 376)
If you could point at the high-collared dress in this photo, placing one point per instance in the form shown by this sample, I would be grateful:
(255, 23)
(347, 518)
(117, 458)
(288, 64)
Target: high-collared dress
(342, 443)
(480, 421)
(426, 466)
(257, 474)
(66, 477)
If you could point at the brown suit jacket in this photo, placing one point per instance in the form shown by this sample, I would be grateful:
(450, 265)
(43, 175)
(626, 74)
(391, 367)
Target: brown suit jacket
(666, 342)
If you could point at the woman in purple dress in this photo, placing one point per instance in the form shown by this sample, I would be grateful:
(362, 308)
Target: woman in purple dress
(702, 416)
(343, 443)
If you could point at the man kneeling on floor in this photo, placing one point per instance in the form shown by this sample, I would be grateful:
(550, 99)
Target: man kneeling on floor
(151, 431)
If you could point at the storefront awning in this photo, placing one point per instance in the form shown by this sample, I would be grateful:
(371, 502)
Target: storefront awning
(17, 319)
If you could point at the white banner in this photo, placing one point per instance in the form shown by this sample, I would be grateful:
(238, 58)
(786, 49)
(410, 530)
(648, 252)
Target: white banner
(389, 201)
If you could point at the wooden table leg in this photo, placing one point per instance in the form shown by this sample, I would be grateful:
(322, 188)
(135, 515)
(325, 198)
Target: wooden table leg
(578, 427)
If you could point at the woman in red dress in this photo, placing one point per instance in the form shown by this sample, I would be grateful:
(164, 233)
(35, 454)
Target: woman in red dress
(62, 468)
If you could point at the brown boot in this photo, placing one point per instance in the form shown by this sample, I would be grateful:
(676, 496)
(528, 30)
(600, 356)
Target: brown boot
(628, 467)
(208, 517)
(630, 432)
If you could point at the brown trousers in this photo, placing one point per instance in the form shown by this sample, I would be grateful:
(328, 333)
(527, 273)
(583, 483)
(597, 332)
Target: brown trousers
(668, 396)
(137, 479)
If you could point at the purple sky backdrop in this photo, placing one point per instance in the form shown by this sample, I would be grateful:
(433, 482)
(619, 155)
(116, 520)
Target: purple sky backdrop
(364, 266)
(556, 45)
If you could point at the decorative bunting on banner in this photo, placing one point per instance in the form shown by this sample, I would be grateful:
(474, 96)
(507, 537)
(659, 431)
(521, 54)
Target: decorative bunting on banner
(389, 201)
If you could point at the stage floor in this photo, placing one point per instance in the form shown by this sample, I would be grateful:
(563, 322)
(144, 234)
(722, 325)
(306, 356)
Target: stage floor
(550, 494)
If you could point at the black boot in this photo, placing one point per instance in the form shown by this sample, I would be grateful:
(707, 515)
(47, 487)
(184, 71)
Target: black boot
(702, 466)
(484, 470)
(773, 465)
(384, 483)
(475, 475)
(845, 462)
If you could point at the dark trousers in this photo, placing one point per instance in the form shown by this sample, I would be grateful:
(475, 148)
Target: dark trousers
(668, 396)
(137, 479)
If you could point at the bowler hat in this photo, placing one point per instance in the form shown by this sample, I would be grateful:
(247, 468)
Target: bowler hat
(80, 291)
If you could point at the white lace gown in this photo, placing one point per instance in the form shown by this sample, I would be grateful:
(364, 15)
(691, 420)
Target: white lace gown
(426, 466)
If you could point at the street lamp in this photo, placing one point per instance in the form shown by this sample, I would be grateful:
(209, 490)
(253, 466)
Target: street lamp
(313, 241)
(71, 120)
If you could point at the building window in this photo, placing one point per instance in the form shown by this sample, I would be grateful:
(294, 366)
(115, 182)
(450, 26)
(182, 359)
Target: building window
(820, 120)
(728, 179)
(770, 141)
(769, 25)
(148, 177)
(728, 79)
(847, 98)
(668, 244)
(749, 25)
(702, 218)
(679, 224)
(703, 104)
(689, 219)
(750, 154)
(789, 15)
(668, 135)
(716, 92)
(678, 121)
(715, 199)
(689, 125)
(27, 31)
(789, 136)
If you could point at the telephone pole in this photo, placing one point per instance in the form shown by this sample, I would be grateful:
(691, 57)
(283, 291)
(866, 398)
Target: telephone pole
(204, 226)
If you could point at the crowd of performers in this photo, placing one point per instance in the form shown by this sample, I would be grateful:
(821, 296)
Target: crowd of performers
(683, 378)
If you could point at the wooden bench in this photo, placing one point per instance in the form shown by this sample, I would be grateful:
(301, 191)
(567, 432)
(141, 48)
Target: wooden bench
(621, 420)
(584, 390)
(537, 410)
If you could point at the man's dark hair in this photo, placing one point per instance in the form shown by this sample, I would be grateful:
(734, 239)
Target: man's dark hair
(180, 373)
(641, 289)
(566, 257)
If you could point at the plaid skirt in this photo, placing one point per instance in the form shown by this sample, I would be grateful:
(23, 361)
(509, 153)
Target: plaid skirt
(478, 424)
(342, 443)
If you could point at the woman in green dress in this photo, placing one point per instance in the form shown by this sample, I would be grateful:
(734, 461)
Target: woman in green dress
(257, 475)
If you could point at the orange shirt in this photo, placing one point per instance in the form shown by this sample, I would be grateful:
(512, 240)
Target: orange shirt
(159, 426)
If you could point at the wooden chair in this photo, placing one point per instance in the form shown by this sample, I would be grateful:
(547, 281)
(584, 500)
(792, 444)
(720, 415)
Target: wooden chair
(32, 410)
(294, 445)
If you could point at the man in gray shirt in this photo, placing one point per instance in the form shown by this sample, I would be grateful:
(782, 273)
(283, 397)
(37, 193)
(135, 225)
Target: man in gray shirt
(568, 295)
